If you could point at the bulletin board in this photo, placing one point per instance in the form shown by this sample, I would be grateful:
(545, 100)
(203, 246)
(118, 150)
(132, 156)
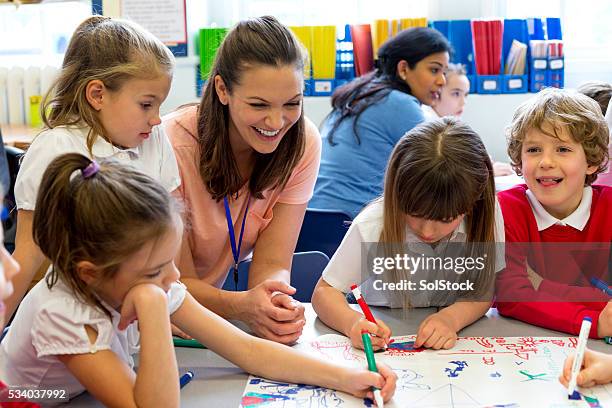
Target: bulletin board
(166, 19)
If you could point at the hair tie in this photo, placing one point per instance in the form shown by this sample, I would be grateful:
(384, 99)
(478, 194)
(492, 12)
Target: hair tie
(91, 169)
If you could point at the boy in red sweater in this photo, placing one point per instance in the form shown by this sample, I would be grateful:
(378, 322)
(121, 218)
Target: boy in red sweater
(558, 227)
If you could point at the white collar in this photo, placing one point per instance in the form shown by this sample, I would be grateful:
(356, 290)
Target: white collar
(102, 149)
(578, 219)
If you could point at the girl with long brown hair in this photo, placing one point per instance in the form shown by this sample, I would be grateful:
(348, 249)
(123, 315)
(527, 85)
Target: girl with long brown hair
(429, 241)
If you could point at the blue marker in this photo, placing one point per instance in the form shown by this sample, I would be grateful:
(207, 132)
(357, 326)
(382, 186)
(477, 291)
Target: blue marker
(599, 284)
(185, 378)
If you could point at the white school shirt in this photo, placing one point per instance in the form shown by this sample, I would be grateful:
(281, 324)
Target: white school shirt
(50, 322)
(154, 157)
(429, 113)
(345, 267)
(577, 219)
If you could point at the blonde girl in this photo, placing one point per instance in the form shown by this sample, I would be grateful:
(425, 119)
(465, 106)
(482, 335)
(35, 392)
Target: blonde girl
(111, 233)
(105, 103)
(438, 203)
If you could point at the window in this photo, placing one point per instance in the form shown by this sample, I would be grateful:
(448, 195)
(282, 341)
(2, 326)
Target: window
(587, 37)
(336, 12)
(37, 34)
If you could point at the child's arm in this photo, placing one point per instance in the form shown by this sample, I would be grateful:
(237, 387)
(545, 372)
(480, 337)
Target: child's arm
(29, 257)
(604, 322)
(332, 308)
(273, 360)
(111, 381)
(440, 329)
(596, 369)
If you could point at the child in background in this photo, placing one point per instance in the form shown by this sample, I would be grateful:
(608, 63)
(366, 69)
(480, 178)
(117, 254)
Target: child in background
(601, 92)
(597, 369)
(453, 97)
(439, 195)
(111, 233)
(105, 103)
(558, 227)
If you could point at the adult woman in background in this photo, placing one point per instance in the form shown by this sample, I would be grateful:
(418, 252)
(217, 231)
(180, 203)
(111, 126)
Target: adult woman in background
(371, 113)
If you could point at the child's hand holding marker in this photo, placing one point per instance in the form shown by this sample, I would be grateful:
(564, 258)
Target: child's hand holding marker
(437, 332)
(369, 324)
(596, 369)
(360, 383)
(381, 333)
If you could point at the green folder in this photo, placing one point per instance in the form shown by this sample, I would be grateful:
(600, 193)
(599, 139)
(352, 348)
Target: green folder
(209, 40)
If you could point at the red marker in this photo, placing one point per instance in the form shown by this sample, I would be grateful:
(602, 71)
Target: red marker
(364, 306)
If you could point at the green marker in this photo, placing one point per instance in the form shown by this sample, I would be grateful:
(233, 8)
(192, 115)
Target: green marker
(192, 343)
(369, 352)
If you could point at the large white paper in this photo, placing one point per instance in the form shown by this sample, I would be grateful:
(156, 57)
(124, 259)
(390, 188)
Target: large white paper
(510, 372)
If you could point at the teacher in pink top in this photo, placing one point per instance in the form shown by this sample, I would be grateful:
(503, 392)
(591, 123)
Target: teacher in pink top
(248, 160)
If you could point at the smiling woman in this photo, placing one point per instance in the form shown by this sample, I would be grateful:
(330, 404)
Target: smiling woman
(249, 160)
(371, 113)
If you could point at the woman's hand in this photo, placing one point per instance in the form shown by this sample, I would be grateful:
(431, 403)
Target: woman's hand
(270, 312)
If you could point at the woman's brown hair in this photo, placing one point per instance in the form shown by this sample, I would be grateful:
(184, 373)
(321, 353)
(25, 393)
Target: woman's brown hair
(112, 51)
(102, 219)
(255, 42)
(439, 171)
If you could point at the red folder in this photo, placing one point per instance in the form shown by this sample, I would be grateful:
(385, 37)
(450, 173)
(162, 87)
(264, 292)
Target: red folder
(362, 48)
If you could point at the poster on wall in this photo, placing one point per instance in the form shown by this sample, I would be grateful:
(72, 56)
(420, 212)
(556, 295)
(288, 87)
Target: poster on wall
(166, 19)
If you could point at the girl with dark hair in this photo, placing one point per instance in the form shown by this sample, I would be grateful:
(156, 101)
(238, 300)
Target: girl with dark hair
(439, 209)
(248, 159)
(371, 113)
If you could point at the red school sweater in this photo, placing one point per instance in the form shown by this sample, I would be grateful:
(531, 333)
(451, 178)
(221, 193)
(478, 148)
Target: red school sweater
(564, 257)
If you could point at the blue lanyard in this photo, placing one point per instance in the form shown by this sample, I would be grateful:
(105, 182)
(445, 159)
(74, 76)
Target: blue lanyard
(230, 229)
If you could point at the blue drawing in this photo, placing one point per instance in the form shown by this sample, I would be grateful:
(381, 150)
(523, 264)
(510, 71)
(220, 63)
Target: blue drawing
(404, 346)
(456, 397)
(495, 375)
(454, 372)
(406, 380)
(296, 394)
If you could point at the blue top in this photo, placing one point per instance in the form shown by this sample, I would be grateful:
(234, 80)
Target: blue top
(352, 175)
